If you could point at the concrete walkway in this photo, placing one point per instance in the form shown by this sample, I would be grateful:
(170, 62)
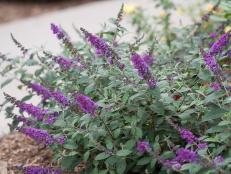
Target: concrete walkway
(34, 32)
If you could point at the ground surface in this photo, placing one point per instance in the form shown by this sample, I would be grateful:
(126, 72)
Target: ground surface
(16, 150)
(10, 11)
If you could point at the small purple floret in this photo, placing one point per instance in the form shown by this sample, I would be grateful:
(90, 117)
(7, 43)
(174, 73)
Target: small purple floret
(213, 35)
(218, 160)
(143, 146)
(215, 86)
(149, 59)
(202, 145)
(64, 63)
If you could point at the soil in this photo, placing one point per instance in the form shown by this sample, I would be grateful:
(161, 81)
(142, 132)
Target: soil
(13, 10)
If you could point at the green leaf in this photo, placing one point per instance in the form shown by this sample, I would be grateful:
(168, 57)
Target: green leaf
(124, 152)
(213, 112)
(204, 75)
(101, 156)
(69, 162)
(144, 160)
(121, 166)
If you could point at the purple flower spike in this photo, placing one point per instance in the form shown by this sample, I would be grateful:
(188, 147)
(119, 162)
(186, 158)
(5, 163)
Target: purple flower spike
(54, 28)
(40, 170)
(58, 31)
(211, 62)
(60, 98)
(35, 111)
(215, 86)
(64, 63)
(188, 136)
(86, 104)
(24, 120)
(41, 90)
(102, 48)
(141, 66)
(186, 156)
(143, 146)
(148, 59)
(220, 44)
(100, 45)
(39, 135)
(143, 70)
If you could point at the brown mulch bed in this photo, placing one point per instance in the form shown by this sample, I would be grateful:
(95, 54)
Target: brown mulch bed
(17, 9)
(18, 150)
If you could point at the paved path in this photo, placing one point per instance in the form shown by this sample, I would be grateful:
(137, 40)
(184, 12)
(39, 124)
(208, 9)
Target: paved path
(34, 32)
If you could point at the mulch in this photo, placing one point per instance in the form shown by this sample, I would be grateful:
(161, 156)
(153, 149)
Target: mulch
(18, 150)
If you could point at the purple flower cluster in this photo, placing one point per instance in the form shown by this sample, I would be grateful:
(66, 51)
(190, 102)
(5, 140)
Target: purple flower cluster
(215, 86)
(220, 44)
(35, 111)
(143, 70)
(86, 104)
(143, 146)
(211, 62)
(58, 31)
(183, 156)
(39, 113)
(40, 90)
(213, 35)
(60, 98)
(186, 156)
(64, 63)
(149, 59)
(39, 135)
(188, 136)
(191, 138)
(100, 45)
(24, 120)
(51, 118)
(41, 170)
(60, 140)
(46, 93)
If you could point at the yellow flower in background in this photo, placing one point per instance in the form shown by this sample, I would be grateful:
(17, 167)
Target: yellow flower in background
(163, 14)
(209, 7)
(228, 28)
(180, 10)
(130, 8)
